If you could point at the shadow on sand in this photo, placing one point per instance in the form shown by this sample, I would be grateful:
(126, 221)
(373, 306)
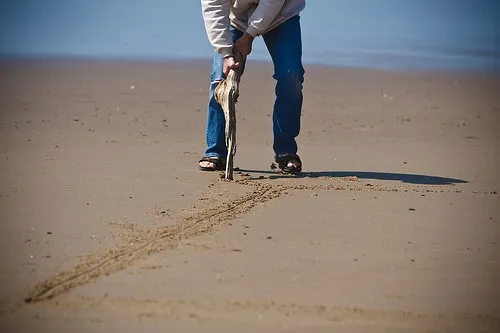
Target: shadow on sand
(402, 177)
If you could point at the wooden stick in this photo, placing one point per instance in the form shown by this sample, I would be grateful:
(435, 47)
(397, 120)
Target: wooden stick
(226, 94)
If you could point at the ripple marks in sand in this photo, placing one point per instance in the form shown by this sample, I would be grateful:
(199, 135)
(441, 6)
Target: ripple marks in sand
(147, 243)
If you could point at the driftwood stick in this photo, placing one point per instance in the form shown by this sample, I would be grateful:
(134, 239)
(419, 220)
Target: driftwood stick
(226, 94)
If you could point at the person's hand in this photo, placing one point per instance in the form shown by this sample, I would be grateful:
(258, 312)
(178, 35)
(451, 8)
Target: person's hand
(230, 63)
(244, 45)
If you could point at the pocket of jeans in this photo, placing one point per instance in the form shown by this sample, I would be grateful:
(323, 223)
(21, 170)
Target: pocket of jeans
(217, 69)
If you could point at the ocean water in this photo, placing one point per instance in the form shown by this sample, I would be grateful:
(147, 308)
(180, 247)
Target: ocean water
(387, 34)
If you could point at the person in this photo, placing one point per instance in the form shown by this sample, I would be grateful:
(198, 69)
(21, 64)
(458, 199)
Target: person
(231, 27)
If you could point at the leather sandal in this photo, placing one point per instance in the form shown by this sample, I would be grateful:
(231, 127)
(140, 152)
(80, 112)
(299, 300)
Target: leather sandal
(218, 164)
(290, 163)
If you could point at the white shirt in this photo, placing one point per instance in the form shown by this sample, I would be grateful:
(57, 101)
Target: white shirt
(256, 17)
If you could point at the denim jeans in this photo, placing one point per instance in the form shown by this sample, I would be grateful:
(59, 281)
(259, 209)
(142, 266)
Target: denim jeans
(284, 44)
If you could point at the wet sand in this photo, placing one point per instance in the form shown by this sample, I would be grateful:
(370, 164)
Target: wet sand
(108, 226)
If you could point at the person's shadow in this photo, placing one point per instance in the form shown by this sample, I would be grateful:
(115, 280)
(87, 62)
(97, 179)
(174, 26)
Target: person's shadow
(402, 177)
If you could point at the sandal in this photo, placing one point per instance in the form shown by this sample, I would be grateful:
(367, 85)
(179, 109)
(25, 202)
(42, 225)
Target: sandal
(217, 164)
(289, 163)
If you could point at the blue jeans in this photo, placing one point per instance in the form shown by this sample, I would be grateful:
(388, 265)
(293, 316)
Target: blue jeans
(285, 47)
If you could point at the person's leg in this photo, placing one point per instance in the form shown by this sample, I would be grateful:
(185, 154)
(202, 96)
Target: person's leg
(215, 136)
(285, 47)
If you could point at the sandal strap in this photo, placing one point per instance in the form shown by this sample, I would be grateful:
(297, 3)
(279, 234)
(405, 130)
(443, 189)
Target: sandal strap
(217, 161)
(285, 159)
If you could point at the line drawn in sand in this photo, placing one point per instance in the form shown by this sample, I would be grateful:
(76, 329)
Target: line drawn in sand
(147, 243)
(143, 244)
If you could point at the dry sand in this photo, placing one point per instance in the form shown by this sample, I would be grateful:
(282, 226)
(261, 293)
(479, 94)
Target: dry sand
(108, 226)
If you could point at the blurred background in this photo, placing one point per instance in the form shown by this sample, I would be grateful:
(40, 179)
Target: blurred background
(387, 34)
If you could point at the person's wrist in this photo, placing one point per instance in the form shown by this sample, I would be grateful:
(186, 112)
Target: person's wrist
(248, 37)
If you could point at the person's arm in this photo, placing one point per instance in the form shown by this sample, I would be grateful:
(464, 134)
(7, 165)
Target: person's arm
(216, 18)
(263, 16)
(258, 23)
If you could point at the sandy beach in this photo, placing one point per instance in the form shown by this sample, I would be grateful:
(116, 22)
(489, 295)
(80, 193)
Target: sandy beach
(108, 226)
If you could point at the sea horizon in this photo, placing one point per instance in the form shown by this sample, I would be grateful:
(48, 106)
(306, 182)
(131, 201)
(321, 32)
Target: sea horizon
(389, 34)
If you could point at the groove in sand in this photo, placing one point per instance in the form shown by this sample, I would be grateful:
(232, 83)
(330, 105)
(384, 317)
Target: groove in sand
(143, 244)
(151, 242)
